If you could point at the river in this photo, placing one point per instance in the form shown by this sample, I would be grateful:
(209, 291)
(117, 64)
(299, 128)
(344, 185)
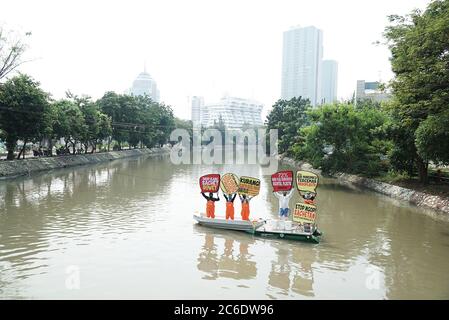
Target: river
(124, 230)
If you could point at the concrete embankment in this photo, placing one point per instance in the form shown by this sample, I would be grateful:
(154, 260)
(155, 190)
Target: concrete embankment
(420, 199)
(16, 168)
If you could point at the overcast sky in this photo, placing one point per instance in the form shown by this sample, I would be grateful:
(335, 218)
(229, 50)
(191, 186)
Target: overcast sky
(195, 47)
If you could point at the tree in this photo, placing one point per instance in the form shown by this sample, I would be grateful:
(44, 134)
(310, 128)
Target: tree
(186, 125)
(288, 116)
(24, 112)
(12, 48)
(419, 45)
(69, 123)
(432, 138)
(344, 138)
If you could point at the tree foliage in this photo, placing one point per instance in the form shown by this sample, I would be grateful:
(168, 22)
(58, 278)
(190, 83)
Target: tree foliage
(344, 138)
(25, 113)
(419, 45)
(288, 116)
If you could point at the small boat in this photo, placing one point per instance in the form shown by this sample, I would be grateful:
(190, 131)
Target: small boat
(281, 230)
(263, 228)
(228, 224)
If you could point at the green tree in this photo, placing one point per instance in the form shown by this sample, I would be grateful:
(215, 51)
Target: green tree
(69, 123)
(432, 138)
(344, 138)
(121, 110)
(419, 45)
(24, 112)
(288, 116)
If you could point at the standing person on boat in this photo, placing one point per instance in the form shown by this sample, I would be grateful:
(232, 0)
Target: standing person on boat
(210, 206)
(284, 200)
(245, 206)
(230, 205)
(309, 197)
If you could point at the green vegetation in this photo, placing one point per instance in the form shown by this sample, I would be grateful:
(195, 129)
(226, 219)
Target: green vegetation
(396, 139)
(28, 114)
(342, 137)
(419, 45)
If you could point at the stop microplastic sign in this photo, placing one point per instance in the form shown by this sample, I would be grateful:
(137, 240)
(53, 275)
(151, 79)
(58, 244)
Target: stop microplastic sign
(210, 183)
(282, 181)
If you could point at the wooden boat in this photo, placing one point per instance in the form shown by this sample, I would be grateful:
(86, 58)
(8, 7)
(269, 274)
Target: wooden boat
(228, 224)
(263, 228)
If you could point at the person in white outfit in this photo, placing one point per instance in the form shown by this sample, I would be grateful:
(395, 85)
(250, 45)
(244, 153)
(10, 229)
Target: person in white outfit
(284, 199)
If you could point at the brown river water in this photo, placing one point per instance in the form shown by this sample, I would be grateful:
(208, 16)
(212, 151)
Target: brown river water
(124, 230)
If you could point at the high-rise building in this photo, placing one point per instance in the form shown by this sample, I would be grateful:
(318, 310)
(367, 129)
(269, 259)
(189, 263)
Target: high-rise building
(301, 64)
(235, 113)
(145, 85)
(371, 91)
(329, 76)
(197, 106)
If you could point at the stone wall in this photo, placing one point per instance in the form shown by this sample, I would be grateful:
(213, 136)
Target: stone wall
(15, 168)
(417, 198)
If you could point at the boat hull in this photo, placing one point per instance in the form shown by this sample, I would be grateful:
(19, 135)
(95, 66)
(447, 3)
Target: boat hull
(288, 236)
(259, 228)
(228, 224)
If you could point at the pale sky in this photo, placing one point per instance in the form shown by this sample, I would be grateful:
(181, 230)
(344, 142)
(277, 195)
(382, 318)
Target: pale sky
(196, 47)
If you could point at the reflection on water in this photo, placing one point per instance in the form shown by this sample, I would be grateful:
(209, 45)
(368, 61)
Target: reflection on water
(127, 226)
(234, 262)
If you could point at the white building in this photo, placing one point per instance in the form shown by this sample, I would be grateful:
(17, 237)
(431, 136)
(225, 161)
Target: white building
(145, 85)
(371, 91)
(197, 106)
(235, 113)
(301, 64)
(329, 78)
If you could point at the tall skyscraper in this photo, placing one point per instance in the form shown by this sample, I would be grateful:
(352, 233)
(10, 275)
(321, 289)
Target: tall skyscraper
(145, 85)
(329, 77)
(197, 106)
(301, 64)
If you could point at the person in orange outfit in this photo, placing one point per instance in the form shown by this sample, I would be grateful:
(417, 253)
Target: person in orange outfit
(210, 205)
(245, 206)
(230, 205)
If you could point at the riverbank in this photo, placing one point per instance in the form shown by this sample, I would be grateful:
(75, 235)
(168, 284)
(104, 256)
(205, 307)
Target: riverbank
(16, 168)
(418, 198)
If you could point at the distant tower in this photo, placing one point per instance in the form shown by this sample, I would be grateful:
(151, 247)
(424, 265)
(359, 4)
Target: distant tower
(144, 84)
(197, 106)
(301, 64)
(329, 81)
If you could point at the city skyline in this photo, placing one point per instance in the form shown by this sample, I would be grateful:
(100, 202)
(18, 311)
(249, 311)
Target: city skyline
(302, 55)
(188, 59)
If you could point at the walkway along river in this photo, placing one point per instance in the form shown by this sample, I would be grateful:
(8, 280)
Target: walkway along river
(124, 229)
